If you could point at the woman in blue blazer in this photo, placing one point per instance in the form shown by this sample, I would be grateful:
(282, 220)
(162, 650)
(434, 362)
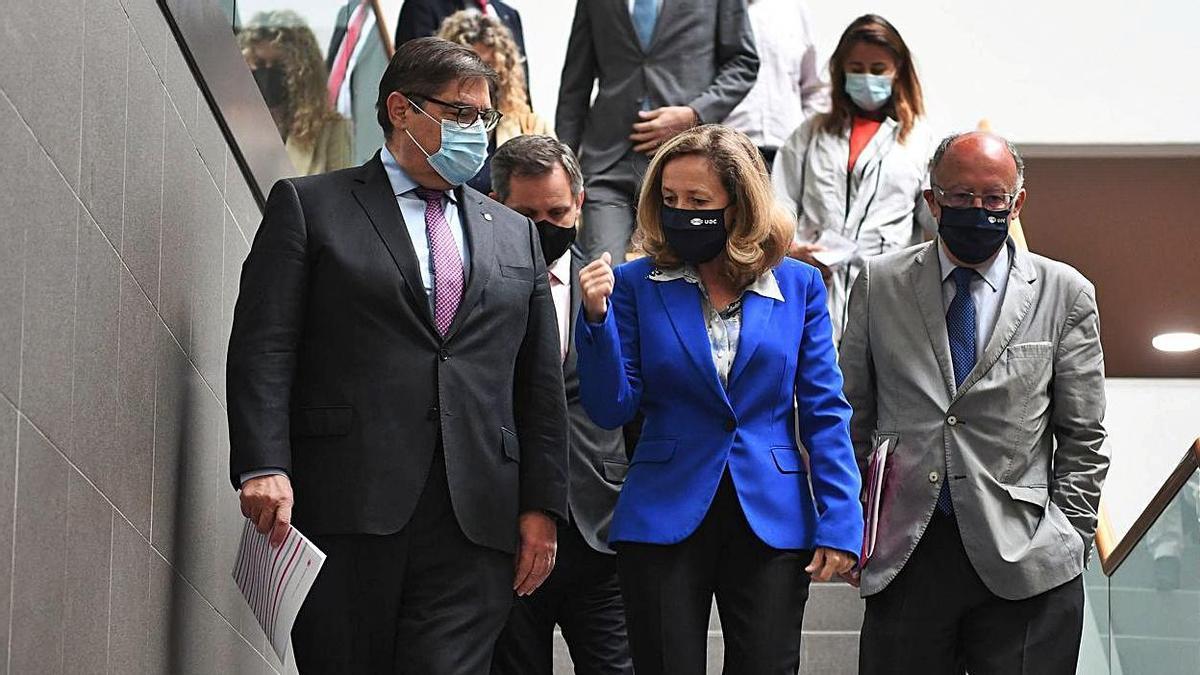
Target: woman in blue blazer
(725, 346)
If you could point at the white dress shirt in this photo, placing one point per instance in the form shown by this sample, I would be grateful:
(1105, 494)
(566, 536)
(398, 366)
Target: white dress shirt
(660, 2)
(560, 291)
(412, 208)
(790, 87)
(987, 290)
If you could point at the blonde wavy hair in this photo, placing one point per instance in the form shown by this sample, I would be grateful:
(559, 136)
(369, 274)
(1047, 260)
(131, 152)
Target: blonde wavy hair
(759, 231)
(308, 109)
(470, 27)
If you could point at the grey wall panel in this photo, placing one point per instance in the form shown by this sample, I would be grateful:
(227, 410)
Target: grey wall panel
(88, 570)
(40, 555)
(93, 446)
(105, 69)
(8, 483)
(129, 485)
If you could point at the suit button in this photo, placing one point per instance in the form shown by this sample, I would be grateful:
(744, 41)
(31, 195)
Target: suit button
(444, 354)
(730, 425)
(433, 413)
(952, 420)
(933, 476)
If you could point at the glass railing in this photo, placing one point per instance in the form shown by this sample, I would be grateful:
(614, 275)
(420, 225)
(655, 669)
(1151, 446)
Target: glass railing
(317, 66)
(1143, 602)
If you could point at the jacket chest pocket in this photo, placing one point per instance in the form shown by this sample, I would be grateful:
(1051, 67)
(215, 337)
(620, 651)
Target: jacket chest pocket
(1031, 363)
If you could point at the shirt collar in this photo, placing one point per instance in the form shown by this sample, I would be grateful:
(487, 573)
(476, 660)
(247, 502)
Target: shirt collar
(401, 182)
(993, 273)
(765, 285)
(561, 269)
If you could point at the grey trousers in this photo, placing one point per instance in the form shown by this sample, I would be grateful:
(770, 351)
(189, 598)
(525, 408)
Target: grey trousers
(610, 209)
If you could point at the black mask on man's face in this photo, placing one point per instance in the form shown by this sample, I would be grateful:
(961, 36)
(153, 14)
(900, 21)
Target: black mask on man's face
(272, 82)
(973, 234)
(555, 240)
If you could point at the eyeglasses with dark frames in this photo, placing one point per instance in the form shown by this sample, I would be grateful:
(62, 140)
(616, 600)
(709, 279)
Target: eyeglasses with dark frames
(465, 115)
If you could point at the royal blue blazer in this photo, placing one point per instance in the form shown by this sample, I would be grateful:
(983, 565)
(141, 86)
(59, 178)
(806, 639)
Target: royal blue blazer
(652, 354)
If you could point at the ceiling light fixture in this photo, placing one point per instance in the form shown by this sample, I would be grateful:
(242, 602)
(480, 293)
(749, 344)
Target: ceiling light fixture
(1176, 342)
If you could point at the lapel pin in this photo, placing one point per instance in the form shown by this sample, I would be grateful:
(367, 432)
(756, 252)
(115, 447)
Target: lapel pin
(487, 216)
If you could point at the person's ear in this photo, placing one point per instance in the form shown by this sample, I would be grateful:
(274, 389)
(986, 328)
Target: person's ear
(494, 196)
(934, 207)
(398, 108)
(1018, 204)
(579, 200)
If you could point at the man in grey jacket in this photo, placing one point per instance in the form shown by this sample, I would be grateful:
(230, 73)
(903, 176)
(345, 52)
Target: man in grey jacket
(979, 367)
(663, 66)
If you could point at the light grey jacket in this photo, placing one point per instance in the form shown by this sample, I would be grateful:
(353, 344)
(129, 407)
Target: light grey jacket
(702, 55)
(1020, 440)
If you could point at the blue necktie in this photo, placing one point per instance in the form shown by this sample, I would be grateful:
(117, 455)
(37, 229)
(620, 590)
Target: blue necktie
(645, 14)
(960, 327)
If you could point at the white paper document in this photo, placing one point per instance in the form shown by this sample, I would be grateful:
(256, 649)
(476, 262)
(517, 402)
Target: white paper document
(275, 580)
(838, 249)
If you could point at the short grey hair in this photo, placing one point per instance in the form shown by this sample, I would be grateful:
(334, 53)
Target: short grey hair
(533, 155)
(944, 146)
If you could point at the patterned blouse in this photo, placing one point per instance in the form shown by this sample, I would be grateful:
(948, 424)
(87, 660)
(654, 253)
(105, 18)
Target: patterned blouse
(724, 326)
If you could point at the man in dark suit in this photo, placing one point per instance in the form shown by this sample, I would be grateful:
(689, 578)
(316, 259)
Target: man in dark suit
(394, 360)
(421, 18)
(539, 177)
(663, 66)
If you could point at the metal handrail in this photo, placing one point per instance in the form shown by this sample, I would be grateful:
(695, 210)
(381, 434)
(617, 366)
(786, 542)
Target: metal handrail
(1112, 553)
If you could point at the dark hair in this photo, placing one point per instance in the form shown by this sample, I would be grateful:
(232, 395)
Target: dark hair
(423, 66)
(533, 155)
(907, 103)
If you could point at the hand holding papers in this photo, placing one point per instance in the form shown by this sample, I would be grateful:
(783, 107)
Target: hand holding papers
(838, 250)
(275, 580)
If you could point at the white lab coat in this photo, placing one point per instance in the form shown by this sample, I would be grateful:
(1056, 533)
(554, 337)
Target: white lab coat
(879, 206)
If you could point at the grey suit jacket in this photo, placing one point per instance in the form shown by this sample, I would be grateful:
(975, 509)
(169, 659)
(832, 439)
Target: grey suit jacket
(598, 463)
(1021, 438)
(364, 85)
(702, 55)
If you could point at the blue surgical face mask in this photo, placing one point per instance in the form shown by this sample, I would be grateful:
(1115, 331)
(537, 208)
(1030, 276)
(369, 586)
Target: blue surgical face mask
(869, 92)
(463, 151)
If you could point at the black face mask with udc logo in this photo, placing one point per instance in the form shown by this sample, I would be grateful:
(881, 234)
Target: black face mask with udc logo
(695, 236)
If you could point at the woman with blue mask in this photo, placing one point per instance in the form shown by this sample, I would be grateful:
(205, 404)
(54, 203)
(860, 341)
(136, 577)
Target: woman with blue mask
(723, 344)
(854, 176)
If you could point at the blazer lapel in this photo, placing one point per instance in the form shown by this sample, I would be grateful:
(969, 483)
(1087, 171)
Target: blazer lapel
(577, 264)
(665, 10)
(480, 233)
(1018, 298)
(756, 316)
(376, 198)
(681, 300)
(925, 276)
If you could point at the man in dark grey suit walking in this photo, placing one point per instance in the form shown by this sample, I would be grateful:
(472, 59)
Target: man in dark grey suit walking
(539, 177)
(663, 66)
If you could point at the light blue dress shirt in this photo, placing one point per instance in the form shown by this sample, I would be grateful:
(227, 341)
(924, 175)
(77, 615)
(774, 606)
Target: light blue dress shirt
(987, 290)
(412, 208)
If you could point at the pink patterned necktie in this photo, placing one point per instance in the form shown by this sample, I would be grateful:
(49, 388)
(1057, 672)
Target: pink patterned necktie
(448, 280)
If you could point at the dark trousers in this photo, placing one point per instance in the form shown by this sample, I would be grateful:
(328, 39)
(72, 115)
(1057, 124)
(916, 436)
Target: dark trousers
(582, 597)
(760, 591)
(938, 617)
(424, 600)
(610, 208)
